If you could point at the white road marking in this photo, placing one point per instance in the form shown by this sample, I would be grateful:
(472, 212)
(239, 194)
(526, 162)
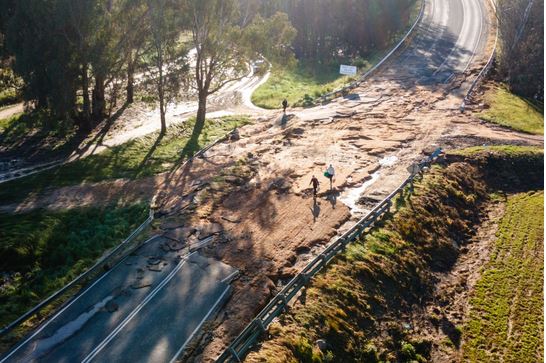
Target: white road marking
(199, 326)
(63, 309)
(139, 307)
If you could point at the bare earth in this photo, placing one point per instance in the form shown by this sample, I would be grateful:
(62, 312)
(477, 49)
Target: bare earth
(271, 223)
(257, 188)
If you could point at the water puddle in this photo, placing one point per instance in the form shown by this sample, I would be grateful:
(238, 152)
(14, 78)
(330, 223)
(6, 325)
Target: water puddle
(388, 161)
(351, 197)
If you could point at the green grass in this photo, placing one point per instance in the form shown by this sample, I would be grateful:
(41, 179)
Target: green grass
(296, 82)
(302, 83)
(137, 158)
(506, 315)
(42, 251)
(508, 150)
(36, 132)
(9, 97)
(512, 111)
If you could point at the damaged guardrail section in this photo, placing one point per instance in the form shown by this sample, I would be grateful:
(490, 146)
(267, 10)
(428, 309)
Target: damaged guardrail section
(249, 336)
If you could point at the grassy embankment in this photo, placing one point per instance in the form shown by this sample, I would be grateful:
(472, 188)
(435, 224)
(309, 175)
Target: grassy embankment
(302, 83)
(506, 315)
(42, 251)
(362, 304)
(134, 159)
(510, 110)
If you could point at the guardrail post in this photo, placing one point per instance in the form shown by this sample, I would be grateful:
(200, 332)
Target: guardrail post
(234, 354)
(260, 325)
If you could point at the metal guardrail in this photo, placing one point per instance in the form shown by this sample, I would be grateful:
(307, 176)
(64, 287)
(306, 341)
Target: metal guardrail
(248, 337)
(328, 96)
(102, 265)
(485, 70)
(24, 172)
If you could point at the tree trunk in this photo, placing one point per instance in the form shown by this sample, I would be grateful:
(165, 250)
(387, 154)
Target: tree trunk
(86, 114)
(130, 79)
(201, 113)
(99, 103)
(162, 111)
(162, 105)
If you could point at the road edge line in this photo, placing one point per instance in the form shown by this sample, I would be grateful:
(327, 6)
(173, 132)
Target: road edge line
(209, 313)
(135, 311)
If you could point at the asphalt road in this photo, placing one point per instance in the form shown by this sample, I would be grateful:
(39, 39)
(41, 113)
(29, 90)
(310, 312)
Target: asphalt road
(450, 35)
(117, 320)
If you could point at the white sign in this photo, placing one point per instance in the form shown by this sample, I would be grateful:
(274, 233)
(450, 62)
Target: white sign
(347, 70)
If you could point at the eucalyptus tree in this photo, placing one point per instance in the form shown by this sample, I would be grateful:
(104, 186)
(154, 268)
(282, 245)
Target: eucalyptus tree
(168, 55)
(224, 44)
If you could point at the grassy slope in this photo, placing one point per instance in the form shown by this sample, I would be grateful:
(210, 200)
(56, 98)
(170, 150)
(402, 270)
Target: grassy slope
(510, 110)
(133, 159)
(380, 276)
(294, 83)
(506, 317)
(388, 272)
(42, 251)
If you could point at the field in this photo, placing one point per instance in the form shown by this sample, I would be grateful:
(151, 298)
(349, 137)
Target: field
(506, 316)
(295, 83)
(509, 110)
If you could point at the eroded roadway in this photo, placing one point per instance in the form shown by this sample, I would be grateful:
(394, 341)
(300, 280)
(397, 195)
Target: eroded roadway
(113, 321)
(145, 309)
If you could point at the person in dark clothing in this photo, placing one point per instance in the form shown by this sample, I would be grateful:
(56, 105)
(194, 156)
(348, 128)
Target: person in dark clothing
(284, 105)
(315, 183)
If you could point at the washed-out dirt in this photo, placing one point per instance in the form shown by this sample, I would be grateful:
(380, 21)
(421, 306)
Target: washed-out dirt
(256, 188)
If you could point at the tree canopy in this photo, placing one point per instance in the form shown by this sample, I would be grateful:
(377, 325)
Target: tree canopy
(75, 57)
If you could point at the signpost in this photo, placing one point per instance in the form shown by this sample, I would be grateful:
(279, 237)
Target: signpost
(347, 70)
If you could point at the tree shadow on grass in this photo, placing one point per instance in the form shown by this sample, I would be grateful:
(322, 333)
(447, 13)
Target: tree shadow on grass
(99, 137)
(149, 154)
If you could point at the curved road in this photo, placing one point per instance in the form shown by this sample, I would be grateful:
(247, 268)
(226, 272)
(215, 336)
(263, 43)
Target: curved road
(93, 328)
(451, 34)
(449, 37)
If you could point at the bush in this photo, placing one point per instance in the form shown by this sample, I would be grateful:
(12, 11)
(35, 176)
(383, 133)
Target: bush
(407, 351)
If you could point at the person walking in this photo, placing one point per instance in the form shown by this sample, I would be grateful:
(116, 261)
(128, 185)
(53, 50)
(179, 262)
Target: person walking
(329, 173)
(315, 183)
(284, 105)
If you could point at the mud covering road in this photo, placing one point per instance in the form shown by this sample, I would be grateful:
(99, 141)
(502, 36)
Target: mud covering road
(255, 189)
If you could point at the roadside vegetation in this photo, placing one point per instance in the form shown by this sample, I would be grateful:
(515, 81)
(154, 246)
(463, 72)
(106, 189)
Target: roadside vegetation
(35, 135)
(363, 305)
(510, 110)
(315, 75)
(42, 251)
(299, 84)
(506, 314)
(141, 157)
